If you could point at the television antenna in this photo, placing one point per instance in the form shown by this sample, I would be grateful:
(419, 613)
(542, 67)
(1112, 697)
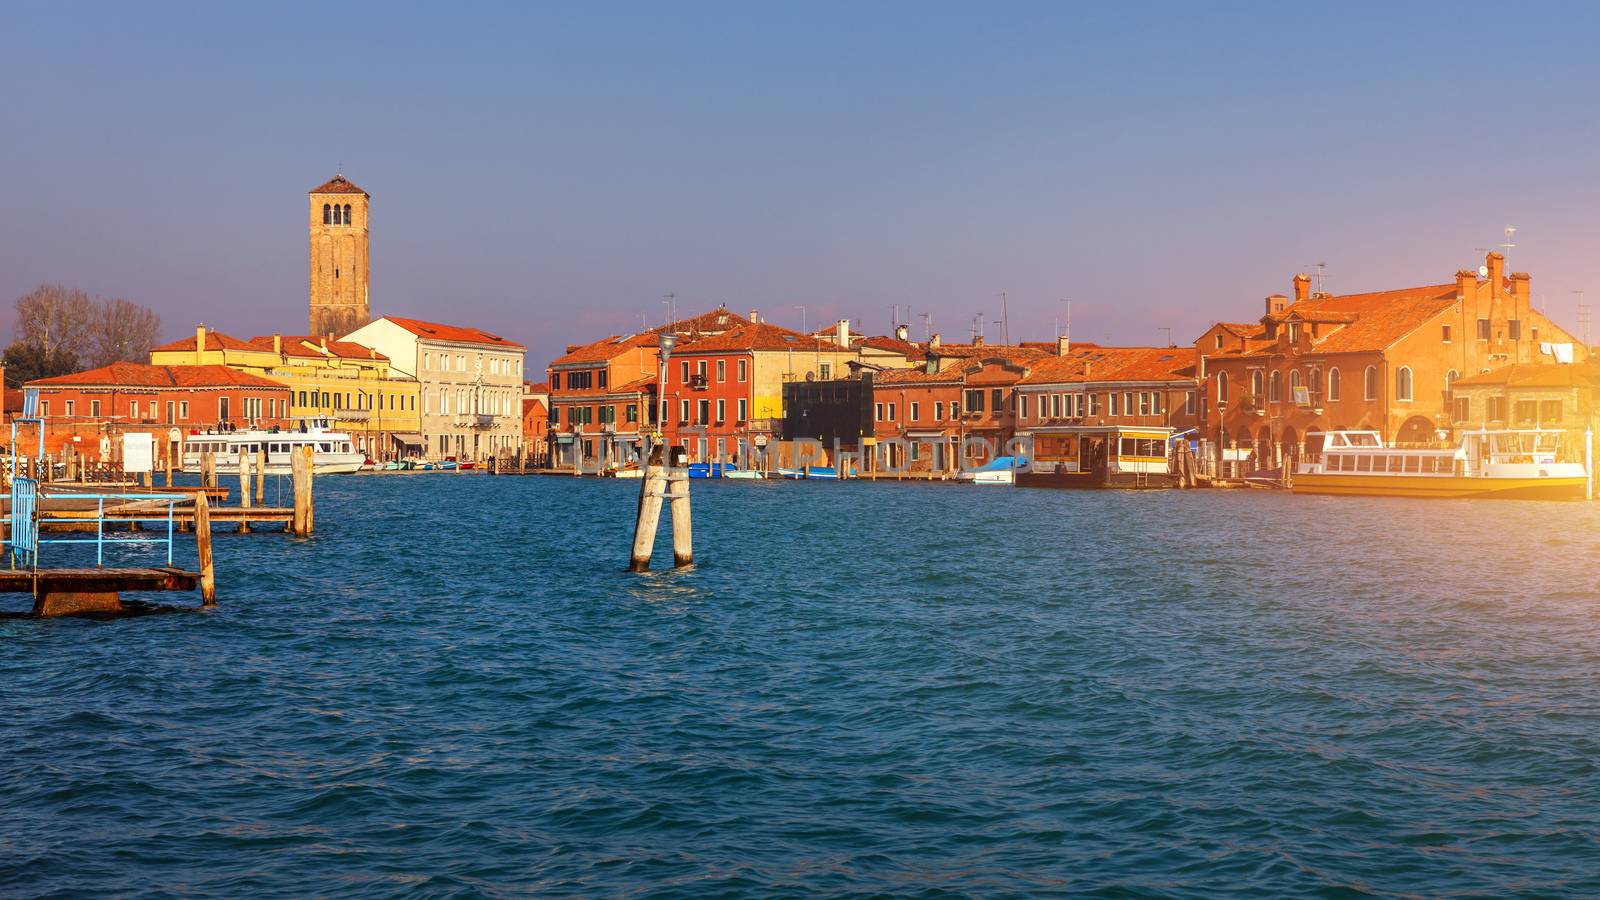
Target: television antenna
(671, 303)
(1508, 243)
(1169, 335)
(1321, 276)
(977, 326)
(927, 326)
(1583, 319)
(1005, 320)
(802, 308)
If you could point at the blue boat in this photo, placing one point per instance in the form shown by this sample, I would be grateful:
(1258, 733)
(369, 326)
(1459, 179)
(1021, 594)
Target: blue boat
(711, 470)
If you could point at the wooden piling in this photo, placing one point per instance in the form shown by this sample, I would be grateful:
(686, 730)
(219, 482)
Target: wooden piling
(202, 540)
(311, 497)
(244, 489)
(261, 474)
(172, 451)
(652, 487)
(208, 469)
(682, 528)
(298, 467)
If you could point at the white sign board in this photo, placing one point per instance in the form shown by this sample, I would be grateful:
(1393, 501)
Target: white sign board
(138, 453)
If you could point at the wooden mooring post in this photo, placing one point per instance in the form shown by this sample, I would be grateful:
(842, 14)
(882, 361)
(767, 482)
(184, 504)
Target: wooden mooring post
(202, 540)
(304, 519)
(244, 489)
(261, 474)
(663, 480)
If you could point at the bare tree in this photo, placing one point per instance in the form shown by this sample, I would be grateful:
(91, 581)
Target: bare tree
(56, 319)
(121, 331)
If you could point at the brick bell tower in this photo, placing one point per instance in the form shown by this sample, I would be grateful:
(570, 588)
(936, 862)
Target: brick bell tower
(339, 302)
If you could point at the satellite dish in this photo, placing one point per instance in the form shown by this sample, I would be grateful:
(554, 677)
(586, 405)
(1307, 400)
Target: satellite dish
(1483, 271)
(902, 332)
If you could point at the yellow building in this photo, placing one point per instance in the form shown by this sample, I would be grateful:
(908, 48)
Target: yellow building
(345, 382)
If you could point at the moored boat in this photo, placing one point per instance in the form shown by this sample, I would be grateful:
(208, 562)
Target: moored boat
(331, 453)
(1001, 470)
(1508, 464)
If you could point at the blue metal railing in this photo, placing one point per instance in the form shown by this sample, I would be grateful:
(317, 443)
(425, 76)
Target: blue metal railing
(25, 540)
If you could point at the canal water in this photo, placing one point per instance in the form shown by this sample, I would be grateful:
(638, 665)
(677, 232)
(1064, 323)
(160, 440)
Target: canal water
(898, 689)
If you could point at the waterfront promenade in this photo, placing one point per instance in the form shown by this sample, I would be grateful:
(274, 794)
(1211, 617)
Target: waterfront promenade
(454, 687)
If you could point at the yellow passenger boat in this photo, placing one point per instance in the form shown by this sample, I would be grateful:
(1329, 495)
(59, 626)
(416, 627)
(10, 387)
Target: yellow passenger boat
(1510, 464)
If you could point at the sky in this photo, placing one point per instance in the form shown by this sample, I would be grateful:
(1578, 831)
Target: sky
(551, 172)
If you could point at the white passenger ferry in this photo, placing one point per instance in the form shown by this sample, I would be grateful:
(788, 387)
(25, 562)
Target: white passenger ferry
(1516, 464)
(332, 452)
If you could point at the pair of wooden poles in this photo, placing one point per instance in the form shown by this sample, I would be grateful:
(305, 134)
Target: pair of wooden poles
(663, 482)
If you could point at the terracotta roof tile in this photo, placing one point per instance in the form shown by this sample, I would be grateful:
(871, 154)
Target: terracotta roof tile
(758, 336)
(1097, 364)
(606, 349)
(337, 185)
(311, 347)
(459, 334)
(1535, 375)
(148, 376)
(215, 340)
(1367, 322)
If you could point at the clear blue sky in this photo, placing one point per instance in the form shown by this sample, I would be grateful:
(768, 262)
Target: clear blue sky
(551, 171)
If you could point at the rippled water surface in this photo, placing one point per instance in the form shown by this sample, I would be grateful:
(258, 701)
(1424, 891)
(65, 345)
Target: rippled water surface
(455, 689)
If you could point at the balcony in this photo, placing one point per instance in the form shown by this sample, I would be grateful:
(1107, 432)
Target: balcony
(697, 382)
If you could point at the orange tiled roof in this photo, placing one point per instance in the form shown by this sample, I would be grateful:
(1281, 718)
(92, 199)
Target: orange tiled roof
(337, 185)
(894, 345)
(916, 376)
(1534, 375)
(297, 345)
(1373, 321)
(141, 375)
(462, 335)
(215, 340)
(712, 322)
(606, 349)
(758, 336)
(1095, 364)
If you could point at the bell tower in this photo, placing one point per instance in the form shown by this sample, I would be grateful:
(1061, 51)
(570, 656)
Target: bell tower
(339, 302)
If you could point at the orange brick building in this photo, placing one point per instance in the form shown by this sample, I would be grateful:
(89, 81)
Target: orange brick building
(132, 397)
(1382, 361)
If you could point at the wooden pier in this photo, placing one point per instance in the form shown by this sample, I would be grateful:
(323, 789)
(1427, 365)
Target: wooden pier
(74, 592)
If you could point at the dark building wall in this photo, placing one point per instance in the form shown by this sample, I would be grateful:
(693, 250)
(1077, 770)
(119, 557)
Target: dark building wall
(827, 410)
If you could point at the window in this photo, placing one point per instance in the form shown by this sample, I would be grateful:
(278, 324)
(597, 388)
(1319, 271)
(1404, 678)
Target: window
(1219, 340)
(974, 400)
(700, 368)
(1294, 332)
(1255, 385)
(1370, 383)
(1527, 411)
(722, 371)
(1483, 329)
(1550, 411)
(1022, 407)
(704, 411)
(1275, 387)
(684, 413)
(1446, 334)
(222, 409)
(183, 410)
(1450, 382)
(601, 377)
(1116, 409)
(877, 412)
(1514, 329)
(1188, 403)
(1127, 403)
(892, 416)
(1144, 403)
(71, 407)
(555, 381)
(327, 214)
(172, 413)
(742, 416)
(722, 411)
(996, 400)
(1496, 411)
(1333, 384)
(744, 369)
(913, 410)
(1222, 388)
(683, 372)
(1094, 404)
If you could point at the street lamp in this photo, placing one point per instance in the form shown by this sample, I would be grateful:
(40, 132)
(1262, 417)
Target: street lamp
(668, 340)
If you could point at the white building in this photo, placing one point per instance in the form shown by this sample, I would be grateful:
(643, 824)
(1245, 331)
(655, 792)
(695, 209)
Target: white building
(470, 383)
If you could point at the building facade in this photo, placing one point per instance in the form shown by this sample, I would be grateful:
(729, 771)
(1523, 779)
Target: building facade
(340, 286)
(350, 385)
(82, 408)
(1384, 361)
(470, 382)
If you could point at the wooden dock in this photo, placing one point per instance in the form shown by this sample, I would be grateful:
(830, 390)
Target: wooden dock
(71, 592)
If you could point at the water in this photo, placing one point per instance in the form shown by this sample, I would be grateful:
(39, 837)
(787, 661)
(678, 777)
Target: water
(921, 690)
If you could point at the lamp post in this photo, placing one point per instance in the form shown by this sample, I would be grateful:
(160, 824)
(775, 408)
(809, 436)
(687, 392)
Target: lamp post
(667, 342)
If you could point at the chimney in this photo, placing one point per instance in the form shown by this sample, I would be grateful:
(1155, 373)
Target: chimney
(1520, 295)
(199, 344)
(755, 316)
(841, 332)
(277, 344)
(1497, 270)
(977, 340)
(1277, 303)
(1302, 287)
(1063, 345)
(1466, 279)
(933, 342)
(324, 345)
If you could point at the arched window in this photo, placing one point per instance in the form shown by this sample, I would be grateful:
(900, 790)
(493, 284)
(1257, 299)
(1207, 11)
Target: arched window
(1402, 383)
(327, 214)
(1255, 383)
(1371, 383)
(1222, 388)
(347, 214)
(1333, 384)
(1314, 382)
(1275, 386)
(1294, 380)
(1450, 382)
